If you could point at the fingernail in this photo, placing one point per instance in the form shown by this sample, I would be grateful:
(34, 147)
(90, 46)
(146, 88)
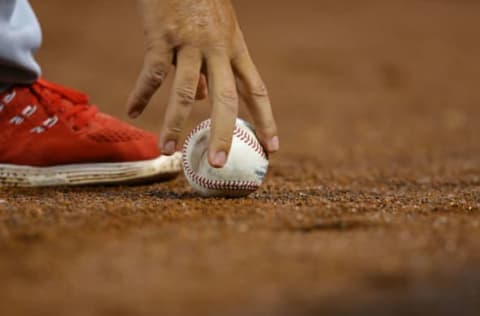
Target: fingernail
(134, 114)
(274, 144)
(169, 147)
(219, 159)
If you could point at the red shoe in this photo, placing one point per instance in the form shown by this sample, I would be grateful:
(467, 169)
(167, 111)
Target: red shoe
(50, 135)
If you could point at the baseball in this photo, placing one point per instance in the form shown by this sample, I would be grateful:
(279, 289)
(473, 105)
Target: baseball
(244, 171)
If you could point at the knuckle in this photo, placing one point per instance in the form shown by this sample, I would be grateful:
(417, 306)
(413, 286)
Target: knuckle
(156, 73)
(228, 96)
(259, 90)
(156, 76)
(173, 125)
(172, 130)
(185, 95)
(228, 99)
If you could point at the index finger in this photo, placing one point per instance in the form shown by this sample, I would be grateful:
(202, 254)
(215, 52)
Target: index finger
(157, 63)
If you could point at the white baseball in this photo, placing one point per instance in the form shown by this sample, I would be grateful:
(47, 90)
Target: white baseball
(244, 171)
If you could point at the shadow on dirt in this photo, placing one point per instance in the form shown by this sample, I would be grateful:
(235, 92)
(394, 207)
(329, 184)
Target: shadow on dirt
(343, 224)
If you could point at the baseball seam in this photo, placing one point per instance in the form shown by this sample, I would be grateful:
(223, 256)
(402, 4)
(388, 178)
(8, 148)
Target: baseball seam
(232, 185)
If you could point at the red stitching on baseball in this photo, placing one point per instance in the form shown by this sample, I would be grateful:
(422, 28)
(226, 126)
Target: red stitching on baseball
(231, 185)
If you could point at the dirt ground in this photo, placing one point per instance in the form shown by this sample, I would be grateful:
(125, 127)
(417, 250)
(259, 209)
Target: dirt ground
(372, 206)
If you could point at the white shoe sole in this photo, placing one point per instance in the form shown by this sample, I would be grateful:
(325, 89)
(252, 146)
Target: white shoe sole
(159, 169)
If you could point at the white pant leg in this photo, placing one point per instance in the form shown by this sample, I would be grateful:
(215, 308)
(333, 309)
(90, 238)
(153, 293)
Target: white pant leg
(20, 36)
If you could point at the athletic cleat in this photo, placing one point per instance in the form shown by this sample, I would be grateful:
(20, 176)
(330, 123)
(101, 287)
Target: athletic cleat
(50, 135)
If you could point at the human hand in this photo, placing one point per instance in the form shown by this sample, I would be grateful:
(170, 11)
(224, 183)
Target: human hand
(203, 39)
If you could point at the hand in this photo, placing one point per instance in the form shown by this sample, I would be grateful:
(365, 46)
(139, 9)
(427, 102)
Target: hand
(203, 39)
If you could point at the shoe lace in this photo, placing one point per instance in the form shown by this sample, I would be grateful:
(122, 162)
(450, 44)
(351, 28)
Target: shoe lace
(70, 104)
